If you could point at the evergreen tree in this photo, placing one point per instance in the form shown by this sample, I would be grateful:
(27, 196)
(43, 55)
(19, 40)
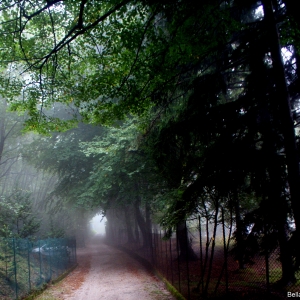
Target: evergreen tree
(17, 216)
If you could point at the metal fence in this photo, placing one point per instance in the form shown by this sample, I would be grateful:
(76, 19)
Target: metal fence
(26, 265)
(216, 271)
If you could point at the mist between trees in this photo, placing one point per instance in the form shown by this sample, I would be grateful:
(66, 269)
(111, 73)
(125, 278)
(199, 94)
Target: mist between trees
(152, 113)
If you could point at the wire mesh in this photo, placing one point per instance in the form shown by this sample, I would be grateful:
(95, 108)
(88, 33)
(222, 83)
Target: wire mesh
(215, 272)
(27, 265)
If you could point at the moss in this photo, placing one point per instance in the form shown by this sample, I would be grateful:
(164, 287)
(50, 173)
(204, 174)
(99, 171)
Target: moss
(172, 290)
(34, 293)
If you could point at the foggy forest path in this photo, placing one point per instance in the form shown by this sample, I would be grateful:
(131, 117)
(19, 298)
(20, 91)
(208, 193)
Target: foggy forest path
(104, 272)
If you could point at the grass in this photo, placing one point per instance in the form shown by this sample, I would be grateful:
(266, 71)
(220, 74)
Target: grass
(172, 289)
(8, 279)
(44, 293)
(47, 297)
(274, 274)
(37, 276)
(156, 293)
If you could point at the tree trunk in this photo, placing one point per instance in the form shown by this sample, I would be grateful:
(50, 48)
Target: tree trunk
(127, 215)
(240, 246)
(136, 231)
(278, 211)
(148, 218)
(142, 224)
(109, 228)
(288, 274)
(285, 116)
(293, 12)
(2, 135)
(186, 250)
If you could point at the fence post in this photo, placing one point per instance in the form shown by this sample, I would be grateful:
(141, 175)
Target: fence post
(158, 254)
(6, 257)
(157, 248)
(75, 249)
(167, 261)
(201, 257)
(160, 250)
(28, 261)
(40, 260)
(187, 261)
(225, 251)
(178, 261)
(224, 266)
(152, 247)
(171, 260)
(267, 262)
(15, 268)
(50, 258)
(210, 264)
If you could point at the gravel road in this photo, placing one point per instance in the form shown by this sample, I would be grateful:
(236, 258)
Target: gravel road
(105, 273)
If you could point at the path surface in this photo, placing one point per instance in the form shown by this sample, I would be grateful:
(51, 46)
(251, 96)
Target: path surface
(105, 273)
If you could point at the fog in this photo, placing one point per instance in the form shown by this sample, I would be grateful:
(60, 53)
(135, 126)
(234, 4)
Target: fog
(97, 224)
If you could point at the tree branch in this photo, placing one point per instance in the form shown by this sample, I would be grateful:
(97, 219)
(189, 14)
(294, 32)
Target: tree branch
(48, 5)
(73, 34)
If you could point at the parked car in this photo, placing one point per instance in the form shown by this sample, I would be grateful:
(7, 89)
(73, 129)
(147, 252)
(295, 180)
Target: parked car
(52, 250)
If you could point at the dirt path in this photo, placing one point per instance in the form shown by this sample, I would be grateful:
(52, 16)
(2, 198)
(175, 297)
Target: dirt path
(109, 274)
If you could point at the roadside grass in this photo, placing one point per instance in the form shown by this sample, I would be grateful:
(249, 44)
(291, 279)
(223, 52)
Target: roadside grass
(47, 297)
(26, 282)
(52, 290)
(48, 294)
(21, 283)
(156, 293)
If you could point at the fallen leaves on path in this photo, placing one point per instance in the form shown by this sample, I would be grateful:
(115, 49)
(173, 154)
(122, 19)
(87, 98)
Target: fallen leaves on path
(106, 273)
(72, 282)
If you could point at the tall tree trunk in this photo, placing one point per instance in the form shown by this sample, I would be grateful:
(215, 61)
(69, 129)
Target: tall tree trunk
(186, 250)
(293, 12)
(136, 231)
(278, 211)
(142, 224)
(288, 273)
(240, 246)
(127, 215)
(286, 119)
(109, 228)
(148, 218)
(2, 135)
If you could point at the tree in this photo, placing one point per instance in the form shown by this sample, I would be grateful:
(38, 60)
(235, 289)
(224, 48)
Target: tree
(17, 216)
(123, 178)
(10, 133)
(60, 159)
(81, 36)
(61, 154)
(205, 139)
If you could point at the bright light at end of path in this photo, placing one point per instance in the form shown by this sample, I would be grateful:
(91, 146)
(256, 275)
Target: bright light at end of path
(98, 227)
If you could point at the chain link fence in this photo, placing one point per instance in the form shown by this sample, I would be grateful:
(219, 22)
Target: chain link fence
(215, 271)
(26, 265)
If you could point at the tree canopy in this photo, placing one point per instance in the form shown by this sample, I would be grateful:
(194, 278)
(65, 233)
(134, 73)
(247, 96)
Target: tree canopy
(106, 59)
